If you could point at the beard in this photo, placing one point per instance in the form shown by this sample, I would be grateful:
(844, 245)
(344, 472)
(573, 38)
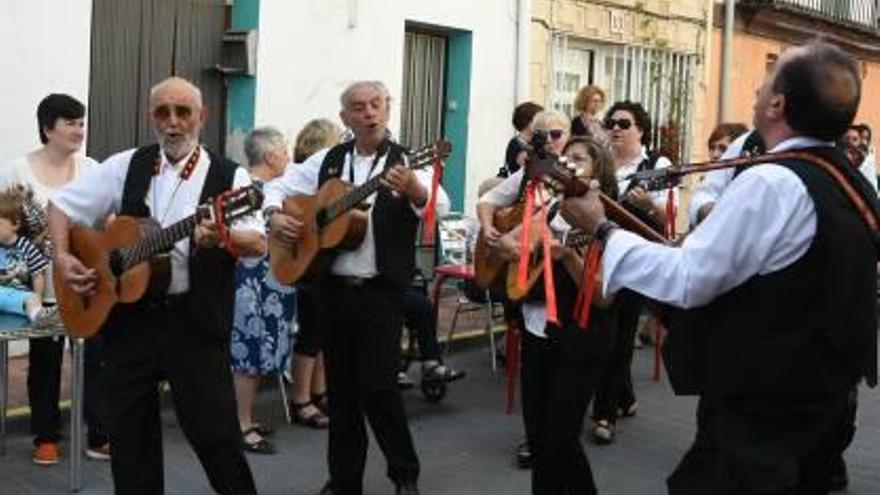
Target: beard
(177, 147)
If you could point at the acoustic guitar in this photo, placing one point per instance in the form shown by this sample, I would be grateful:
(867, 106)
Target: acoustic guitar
(131, 259)
(489, 267)
(334, 219)
(575, 239)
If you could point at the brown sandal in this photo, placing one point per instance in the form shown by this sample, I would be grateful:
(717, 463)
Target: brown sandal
(317, 420)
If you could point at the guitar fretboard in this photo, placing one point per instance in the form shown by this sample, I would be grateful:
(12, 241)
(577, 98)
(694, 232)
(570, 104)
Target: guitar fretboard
(160, 241)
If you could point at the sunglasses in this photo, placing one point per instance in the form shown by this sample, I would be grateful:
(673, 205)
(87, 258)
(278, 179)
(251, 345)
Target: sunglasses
(163, 112)
(622, 124)
(556, 134)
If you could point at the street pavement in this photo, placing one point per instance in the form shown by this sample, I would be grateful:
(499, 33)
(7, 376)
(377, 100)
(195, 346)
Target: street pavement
(465, 443)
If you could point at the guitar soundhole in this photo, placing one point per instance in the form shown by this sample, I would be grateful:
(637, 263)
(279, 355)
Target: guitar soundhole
(321, 219)
(116, 263)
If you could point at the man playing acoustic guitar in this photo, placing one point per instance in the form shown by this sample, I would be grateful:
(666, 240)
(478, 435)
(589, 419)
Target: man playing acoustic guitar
(362, 296)
(182, 336)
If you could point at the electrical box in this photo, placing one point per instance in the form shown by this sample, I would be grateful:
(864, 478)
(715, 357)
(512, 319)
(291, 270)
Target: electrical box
(239, 52)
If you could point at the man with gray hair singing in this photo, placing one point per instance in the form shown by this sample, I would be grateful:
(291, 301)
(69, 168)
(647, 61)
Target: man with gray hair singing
(362, 298)
(181, 335)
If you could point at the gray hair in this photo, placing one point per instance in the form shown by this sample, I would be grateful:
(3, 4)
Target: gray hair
(175, 82)
(377, 86)
(261, 141)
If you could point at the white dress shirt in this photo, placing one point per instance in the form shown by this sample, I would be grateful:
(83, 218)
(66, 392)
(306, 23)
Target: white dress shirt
(764, 221)
(868, 169)
(98, 194)
(302, 179)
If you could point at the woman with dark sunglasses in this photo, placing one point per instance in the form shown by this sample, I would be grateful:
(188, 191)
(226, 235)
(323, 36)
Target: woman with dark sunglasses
(629, 128)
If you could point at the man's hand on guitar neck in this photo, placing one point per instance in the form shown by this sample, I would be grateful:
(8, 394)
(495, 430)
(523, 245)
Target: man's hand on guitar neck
(206, 234)
(82, 280)
(402, 180)
(285, 228)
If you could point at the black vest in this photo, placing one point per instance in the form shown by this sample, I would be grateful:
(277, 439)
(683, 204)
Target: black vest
(809, 330)
(211, 270)
(394, 222)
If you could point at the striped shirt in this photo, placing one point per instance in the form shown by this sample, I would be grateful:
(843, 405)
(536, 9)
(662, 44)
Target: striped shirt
(20, 263)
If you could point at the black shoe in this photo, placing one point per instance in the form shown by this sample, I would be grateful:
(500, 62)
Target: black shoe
(407, 489)
(524, 455)
(440, 373)
(328, 489)
(839, 479)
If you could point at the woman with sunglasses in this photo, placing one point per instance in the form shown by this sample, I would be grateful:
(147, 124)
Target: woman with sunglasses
(629, 128)
(553, 127)
(561, 364)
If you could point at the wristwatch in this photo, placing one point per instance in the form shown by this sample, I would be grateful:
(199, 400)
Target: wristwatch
(604, 230)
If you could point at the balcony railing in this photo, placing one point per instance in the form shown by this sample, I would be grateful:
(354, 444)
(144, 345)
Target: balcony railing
(862, 13)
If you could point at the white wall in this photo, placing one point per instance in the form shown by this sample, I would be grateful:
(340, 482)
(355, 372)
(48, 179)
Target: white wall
(308, 54)
(44, 48)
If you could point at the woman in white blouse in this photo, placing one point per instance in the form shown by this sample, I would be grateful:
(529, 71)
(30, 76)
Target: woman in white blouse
(61, 125)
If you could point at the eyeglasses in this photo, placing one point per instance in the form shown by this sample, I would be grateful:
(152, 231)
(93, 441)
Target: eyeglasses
(622, 124)
(556, 134)
(163, 112)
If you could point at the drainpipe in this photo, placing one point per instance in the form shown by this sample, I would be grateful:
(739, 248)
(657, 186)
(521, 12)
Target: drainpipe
(523, 22)
(726, 62)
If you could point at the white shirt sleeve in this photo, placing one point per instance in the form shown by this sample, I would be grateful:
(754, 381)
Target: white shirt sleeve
(763, 222)
(425, 176)
(96, 193)
(869, 171)
(505, 193)
(248, 223)
(660, 197)
(299, 179)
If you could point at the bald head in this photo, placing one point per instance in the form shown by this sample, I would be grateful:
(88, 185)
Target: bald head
(821, 86)
(177, 115)
(178, 88)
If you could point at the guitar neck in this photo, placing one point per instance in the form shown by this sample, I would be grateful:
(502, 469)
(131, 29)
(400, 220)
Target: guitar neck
(354, 198)
(160, 241)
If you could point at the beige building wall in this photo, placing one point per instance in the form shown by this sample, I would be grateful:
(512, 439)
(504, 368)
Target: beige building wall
(680, 25)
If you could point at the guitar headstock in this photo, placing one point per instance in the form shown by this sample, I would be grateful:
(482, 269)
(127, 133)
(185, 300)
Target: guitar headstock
(430, 153)
(557, 174)
(232, 205)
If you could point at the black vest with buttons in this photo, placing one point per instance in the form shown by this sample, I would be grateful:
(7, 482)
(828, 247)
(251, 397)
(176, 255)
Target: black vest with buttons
(394, 222)
(806, 331)
(211, 270)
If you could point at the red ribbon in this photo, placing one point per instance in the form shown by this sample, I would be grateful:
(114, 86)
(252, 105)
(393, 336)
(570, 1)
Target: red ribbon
(513, 341)
(525, 238)
(429, 216)
(549, 286)
(670, 214)
(222, 230)
(588, 285)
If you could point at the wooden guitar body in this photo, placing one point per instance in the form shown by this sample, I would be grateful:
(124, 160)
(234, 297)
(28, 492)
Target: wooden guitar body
(489, 267)
(83, 316)
(536, 269)
(312, 255)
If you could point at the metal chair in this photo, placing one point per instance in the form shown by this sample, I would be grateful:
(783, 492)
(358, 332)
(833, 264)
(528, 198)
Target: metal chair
(457, 236)
(16, 328)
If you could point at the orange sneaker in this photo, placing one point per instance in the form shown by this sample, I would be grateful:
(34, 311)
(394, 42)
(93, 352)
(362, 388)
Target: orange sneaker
(46, 454)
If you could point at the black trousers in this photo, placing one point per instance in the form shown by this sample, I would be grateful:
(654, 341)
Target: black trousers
(615, 389)
(44, 389)
(746, 446)
(558, 381)
(362, 355)
(310, 334)
(419, 317)
(145, 344)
